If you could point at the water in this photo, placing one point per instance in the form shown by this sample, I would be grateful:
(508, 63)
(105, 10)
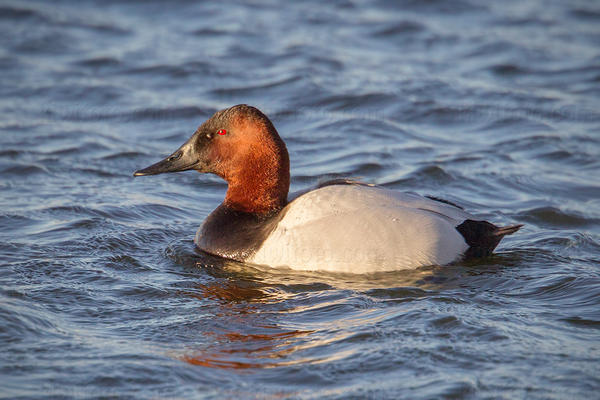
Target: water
(494, 106)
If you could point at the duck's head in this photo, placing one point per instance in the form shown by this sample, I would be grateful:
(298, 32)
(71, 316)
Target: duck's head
(241, 145)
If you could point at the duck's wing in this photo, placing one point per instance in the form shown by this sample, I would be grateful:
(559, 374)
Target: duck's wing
(352, 194)
(347, 195)
(481, 236)
(331, 182)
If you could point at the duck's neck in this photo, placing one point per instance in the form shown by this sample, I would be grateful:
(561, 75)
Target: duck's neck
(261, 187)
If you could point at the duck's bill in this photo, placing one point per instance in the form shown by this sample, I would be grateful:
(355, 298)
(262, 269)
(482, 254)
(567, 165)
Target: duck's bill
(181, 160)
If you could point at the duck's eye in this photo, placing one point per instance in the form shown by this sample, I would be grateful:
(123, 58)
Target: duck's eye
(221, 132)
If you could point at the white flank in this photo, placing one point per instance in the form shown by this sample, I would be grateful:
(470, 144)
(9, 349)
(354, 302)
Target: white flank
(361, 229)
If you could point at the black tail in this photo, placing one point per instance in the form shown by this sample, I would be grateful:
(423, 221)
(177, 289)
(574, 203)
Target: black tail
(483, 237)
(507, 230)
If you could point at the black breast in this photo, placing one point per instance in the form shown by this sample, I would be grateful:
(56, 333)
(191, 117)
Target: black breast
(234, 234)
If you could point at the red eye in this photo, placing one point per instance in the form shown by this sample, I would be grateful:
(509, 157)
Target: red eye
(222, 131)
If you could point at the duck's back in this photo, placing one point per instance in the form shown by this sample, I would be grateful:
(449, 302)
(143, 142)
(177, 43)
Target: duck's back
(359, 228)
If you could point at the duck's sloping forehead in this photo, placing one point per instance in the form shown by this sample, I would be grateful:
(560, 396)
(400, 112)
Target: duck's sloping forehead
(222, 114)
(217, 119)
(240, 110)
(225, 117)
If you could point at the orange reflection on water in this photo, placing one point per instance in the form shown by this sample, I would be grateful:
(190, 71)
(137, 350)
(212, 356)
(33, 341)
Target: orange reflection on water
(211, 362)
(236, 292)
(228, 293)
(254, 340)
(251, 350)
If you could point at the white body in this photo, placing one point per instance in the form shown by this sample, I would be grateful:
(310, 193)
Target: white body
(361, 229)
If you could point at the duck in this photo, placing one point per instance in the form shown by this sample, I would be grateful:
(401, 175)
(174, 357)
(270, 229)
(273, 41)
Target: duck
(340, 225)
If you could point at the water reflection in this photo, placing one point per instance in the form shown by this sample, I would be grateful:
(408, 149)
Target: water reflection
(249, 338)
(229, 291)
(262, 318)
(244, 351)
(287, 280)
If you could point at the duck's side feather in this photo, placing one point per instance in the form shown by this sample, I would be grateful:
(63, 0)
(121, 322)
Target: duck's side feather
(359, 228)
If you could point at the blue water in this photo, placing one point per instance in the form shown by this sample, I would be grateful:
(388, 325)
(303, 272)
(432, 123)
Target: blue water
(492, 105)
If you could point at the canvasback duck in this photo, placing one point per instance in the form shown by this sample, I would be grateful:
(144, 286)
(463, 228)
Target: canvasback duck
(342, 225)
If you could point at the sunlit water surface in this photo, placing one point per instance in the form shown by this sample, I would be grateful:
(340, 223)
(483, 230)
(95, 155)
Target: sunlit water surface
(493, 105)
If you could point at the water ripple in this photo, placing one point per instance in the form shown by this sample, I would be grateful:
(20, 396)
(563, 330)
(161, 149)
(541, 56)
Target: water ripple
(490, 106)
